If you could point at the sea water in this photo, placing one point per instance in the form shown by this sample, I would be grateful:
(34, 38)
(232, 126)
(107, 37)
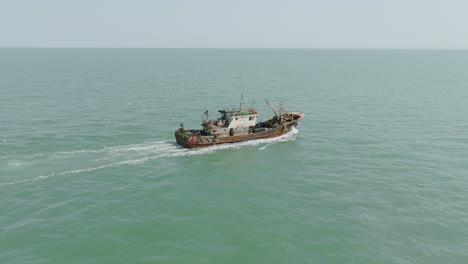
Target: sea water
(377, 171)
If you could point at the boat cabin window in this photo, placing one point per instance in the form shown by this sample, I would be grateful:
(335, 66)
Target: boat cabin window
(251, 118)
(236, 118)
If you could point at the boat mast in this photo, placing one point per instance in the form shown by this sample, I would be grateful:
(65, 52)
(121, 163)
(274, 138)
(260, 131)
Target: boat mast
(281, 109)
(205, 117)
(241, 102)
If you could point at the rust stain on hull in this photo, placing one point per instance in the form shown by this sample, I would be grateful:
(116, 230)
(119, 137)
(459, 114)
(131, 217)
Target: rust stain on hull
(188, 142)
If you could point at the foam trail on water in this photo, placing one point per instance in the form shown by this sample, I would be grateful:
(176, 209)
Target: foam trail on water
(146, 146)
(163, 149)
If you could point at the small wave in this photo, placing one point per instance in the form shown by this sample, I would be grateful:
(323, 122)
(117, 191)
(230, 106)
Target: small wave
(167, 149)
(264, 147)
(14, 163)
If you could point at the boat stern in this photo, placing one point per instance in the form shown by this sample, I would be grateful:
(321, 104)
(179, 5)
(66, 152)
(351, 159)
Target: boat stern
(185, 138)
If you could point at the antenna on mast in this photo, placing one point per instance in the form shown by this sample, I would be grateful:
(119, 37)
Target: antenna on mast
(241, 102)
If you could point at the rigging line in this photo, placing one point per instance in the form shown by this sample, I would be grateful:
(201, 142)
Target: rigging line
(264, 112)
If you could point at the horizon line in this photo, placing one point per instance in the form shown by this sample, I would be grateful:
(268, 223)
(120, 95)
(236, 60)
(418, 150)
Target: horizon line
(224, 48)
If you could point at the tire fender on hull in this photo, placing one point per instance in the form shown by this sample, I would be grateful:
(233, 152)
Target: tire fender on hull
(192, 140)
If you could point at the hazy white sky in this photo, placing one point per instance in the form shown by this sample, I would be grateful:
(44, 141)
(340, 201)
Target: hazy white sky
(433, 24)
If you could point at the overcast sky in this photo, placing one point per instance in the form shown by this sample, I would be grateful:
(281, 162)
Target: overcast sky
(427, 24)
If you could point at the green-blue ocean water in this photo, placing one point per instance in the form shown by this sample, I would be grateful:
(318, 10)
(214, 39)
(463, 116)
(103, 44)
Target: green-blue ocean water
(377, 172)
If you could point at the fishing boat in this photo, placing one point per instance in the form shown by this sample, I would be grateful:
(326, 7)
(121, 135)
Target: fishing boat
(237, 124)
